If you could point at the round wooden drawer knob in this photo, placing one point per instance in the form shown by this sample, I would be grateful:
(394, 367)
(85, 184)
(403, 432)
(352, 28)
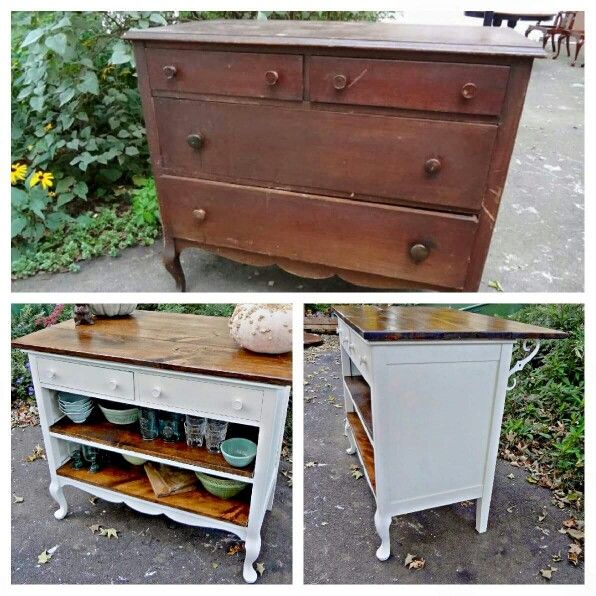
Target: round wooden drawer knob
(156, 391)
(419, 252)
(432, 166)
(195, 141)
(468, 91)
(169, 71)
(237, 404)
(271, 77)
(199, 214)
(340, 82)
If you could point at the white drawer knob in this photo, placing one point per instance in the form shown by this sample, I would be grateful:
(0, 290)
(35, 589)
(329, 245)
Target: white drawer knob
(362, 359)
(51, 373)
(237, 404)
(113, 384)
(156, 391)
(351, 346)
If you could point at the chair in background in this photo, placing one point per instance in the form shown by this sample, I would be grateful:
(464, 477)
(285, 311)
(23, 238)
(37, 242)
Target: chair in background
(563, 23)
(577, 33)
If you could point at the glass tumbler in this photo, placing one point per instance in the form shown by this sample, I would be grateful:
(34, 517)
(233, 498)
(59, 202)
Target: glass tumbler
(194, 428)
(215, 435)
(170, 426)
(148, 421)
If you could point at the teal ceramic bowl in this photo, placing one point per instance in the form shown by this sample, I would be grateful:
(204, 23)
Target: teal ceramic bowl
(239, 452)
(119, 416)
(224, 488)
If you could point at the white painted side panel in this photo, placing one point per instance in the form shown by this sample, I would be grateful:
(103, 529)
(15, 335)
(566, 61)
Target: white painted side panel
(432, 425)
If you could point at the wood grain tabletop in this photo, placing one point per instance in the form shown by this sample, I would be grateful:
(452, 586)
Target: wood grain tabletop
(393, 323)
(330, 34)
(172, 341)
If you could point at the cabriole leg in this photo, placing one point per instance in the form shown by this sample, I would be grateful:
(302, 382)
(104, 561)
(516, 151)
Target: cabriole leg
(171, 260)
(57, 492)
(482, 509)
(252, 546)
(348, 432)
(382, 523)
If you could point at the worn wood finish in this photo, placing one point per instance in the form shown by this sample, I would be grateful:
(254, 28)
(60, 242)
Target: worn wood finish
(364, 447)
(328, 151)
(405, 84)
(441, 106)
(226, 73)
(133, 482)
(171, 341)
(129, 438)
(360, 392)
(413, 323)
(361, 36)
(314, 229)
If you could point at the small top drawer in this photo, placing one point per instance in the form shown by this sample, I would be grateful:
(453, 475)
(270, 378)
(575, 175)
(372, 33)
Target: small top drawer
(226, 400)
(432, 86)
(274, 76)
(86, 377)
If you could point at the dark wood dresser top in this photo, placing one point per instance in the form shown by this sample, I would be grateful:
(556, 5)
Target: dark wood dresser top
(180, 342)
(329, 34)
(376, 323)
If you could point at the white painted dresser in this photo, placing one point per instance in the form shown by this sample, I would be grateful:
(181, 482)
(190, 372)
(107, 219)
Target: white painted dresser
(174, 363)
(424, 393)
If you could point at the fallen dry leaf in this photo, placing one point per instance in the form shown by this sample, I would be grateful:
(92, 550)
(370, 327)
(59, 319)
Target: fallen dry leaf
(575, 534)
(108, 532)
(324, 523)
(510, 508)
(511, 476)
(38, 453)
(215, 565)
(235, 548)
(260, 568)
(18, 499)
(93, 500)
(548, 572)
(556, 558)
(355, 471)
(574, 552)
(46, 555)
(414, 562)
(310, 464)
(570, 523)
(95, 528)
(542, 516)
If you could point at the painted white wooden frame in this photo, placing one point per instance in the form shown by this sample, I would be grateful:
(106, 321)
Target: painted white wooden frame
(437, 408)
(270, 424)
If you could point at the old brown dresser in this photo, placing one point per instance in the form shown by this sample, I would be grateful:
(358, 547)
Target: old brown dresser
(374, 151)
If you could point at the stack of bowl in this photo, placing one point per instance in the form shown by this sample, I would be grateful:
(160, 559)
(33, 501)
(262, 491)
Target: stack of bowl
(76, 407)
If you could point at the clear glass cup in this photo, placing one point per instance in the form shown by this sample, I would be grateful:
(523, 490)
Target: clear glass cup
(148, 422)
(194, 428)
(170, 426)
(215, 435)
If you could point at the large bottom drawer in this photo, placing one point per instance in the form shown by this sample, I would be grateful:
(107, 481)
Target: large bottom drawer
(420, 246)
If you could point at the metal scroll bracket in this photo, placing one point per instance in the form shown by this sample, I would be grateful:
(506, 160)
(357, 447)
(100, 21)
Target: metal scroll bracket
(520, 364)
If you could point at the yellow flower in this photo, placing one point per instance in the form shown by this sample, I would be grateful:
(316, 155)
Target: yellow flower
(46, 179)
(51, 194)
(18, 171)
(48, 127)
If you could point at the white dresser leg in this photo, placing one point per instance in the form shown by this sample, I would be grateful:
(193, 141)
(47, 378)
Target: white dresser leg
(270, 500)
(482, 509)
(382, 523)
(57, 492)
(252, 546)
(348, 432)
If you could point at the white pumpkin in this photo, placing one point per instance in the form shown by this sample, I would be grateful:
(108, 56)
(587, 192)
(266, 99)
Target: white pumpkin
(112, 310)
(265, 328)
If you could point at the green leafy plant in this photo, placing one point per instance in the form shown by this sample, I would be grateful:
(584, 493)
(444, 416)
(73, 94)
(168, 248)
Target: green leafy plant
(543, 426)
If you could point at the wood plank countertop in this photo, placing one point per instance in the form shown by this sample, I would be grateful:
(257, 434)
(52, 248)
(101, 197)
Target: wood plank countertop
(170, 341)
(329, 34)
(412, 323)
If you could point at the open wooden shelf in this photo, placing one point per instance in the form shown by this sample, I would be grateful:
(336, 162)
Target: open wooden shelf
(364, 447)
(360, 392)
(129, 438)
(132, 481)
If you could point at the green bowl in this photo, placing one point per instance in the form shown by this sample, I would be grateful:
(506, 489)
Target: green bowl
(224, 488)
(135, 461)
(128, 416)
(239, 452)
